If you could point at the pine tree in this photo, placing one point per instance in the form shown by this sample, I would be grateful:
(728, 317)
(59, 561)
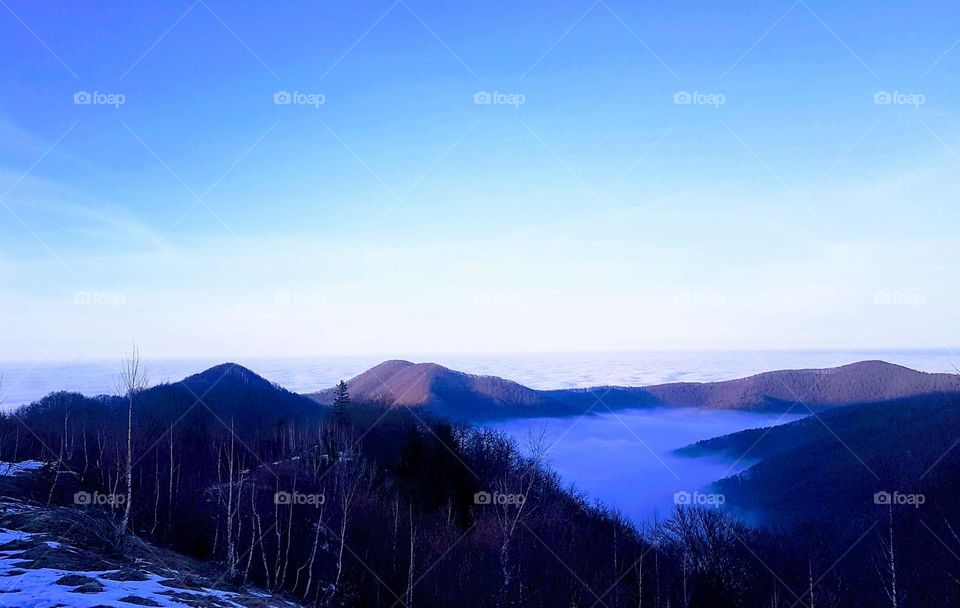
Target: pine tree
(341, 403)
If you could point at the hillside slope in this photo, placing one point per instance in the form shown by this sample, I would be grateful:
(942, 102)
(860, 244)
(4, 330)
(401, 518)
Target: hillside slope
(831, 465)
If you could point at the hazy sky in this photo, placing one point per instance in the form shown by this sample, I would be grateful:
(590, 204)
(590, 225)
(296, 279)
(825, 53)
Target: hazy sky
(477, 176)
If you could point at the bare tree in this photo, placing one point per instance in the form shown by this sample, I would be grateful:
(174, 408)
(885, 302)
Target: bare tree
(16, 443)
(517, 484)
(775, 594)
(169, 525)
(318, 528)
(131, 381)
(347, 480)
(888, 570)
(230, 511)
(3, 437)
(640, 581)
(410, 568)
(63, 447)
(810, 583)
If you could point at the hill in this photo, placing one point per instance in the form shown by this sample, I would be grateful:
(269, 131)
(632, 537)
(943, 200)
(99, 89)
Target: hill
(230, 391)
(830, 466)
(446, 392)
(865, 381)
(223, 401)
(460, 395)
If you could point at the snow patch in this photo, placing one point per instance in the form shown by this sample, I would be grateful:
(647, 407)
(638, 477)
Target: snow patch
(38, 588)
(12, 468)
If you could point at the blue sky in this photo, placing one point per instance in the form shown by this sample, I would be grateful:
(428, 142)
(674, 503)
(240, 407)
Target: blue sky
(789, 205)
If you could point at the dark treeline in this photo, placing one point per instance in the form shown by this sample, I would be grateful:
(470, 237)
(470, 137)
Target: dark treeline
(361, 506)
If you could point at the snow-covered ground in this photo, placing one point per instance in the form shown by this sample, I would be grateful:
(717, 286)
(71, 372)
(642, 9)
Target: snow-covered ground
(49, 587)
(41, 570)
(12, 468)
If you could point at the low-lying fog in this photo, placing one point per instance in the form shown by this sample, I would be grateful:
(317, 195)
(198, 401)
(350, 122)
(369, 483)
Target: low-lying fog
(624, 458)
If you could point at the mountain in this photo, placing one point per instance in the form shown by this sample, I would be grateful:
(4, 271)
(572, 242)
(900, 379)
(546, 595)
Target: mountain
(227, 374)
(228, 396)
(830, 465)
(865, 381)
(220, 396)
(232, 392)
(399, 383)
(202, 491)
(460, 395)
(223, 399)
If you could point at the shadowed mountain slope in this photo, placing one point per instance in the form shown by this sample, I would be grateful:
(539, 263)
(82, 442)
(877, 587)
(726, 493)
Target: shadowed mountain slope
(832, 464)
(232, 391)
(218, 397)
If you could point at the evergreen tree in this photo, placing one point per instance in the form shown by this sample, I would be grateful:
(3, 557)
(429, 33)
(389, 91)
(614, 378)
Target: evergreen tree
(341, 403)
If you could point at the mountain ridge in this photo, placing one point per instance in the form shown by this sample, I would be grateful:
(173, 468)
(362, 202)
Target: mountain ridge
(399, 383)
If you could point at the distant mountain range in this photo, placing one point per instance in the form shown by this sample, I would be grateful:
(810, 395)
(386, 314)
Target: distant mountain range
(460, 395)
(230, 391)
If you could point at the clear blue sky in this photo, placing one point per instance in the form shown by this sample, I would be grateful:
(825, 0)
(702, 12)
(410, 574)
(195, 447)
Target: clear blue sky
(787, 206)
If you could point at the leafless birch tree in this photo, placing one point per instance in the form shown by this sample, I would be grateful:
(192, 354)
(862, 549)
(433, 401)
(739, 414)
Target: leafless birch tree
(131, 381)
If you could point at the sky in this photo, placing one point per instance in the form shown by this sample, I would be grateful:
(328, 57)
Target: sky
(217, 179)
